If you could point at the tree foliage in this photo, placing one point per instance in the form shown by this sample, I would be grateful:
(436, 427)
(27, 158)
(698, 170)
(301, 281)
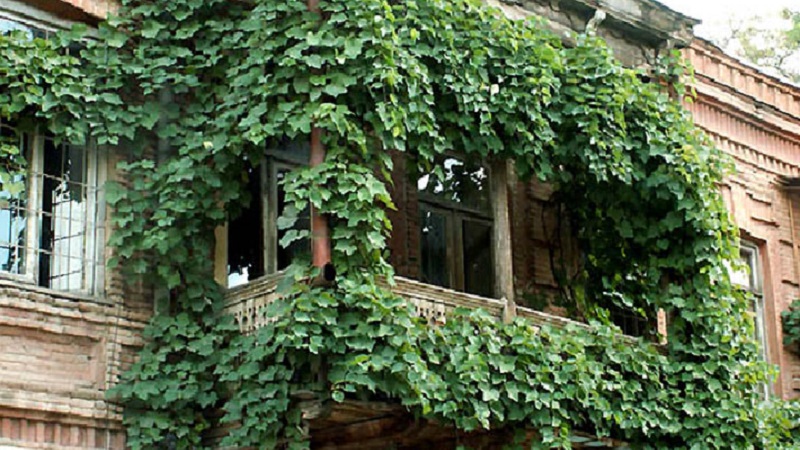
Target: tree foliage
(197, 88)
(775, 49)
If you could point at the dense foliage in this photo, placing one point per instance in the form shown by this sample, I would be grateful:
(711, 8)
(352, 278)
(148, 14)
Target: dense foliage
(790, 320)
(197, 88)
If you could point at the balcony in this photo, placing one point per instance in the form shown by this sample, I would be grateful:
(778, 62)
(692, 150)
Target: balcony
(360, 425)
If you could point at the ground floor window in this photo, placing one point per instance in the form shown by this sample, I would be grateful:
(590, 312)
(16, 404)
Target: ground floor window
(52, 230)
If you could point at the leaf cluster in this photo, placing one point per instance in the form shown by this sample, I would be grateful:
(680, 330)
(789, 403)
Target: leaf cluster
(790, 321)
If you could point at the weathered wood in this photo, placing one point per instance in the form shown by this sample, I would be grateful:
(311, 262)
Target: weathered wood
(221, 255)
(379, 433)
(509, 311)
(501, 233)
(377, 426)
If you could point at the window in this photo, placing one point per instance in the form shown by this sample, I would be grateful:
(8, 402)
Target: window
(630, 322)
(52, 232)
(16, 15)
(749, 278)
(35, 23)
(253, 236)
(456, 227)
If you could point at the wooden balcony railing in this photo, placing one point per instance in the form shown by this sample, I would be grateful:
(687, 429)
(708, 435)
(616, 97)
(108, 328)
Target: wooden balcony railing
(434, 303)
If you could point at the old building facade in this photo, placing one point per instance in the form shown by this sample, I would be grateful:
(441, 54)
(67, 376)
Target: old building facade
(68, 326)
(755, 118)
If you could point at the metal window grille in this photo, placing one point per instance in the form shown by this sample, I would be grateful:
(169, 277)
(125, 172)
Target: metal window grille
(53, 232)
(13, 208)
(70, 218)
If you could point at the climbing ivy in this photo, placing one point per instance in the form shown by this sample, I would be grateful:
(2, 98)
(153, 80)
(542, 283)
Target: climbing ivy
(790, 321)
(194, 90)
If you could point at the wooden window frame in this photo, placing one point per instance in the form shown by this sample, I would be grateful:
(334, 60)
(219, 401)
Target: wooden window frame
(496, 216)
(270, 164)
(455, 219)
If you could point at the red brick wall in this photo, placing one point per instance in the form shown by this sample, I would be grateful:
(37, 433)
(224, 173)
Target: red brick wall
(99, 8)
(756, 119)
(59, 353)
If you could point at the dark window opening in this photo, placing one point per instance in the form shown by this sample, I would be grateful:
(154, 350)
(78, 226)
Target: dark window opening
(245, 247)
(66, 218)
(478, 269)
(253, 236)
(630, 322)
(456, 227)
(434, 239)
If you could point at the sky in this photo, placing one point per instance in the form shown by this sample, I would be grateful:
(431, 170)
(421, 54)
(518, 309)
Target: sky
(716, 14)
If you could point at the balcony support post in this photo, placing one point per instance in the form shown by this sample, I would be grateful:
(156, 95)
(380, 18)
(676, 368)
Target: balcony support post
(501, 232)
(320, 234)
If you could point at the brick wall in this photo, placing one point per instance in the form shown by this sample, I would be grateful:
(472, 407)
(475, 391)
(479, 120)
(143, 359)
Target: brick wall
(99, 8)
(59, 353)
(756, 119)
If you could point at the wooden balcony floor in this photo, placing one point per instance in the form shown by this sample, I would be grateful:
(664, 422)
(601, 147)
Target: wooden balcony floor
(353, 425)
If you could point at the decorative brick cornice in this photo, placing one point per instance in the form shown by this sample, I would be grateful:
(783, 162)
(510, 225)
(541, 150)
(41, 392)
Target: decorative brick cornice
(713, 66)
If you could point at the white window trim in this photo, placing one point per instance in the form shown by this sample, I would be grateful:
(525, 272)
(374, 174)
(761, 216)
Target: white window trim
(96, 175)
(750, 253)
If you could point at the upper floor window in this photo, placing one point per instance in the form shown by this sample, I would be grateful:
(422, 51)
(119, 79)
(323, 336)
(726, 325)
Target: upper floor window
(52, 231)
(253, 236)
(632, 323)
(9, 23)
(456, 227)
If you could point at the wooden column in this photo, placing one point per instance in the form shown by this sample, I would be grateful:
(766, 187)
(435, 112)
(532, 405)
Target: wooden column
(320, 235)
(501, 232)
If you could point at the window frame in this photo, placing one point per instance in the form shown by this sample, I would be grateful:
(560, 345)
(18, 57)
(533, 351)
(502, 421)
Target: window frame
(272, 161)
(94, 218)
(758, 311)
(39, 21)
(456, 214)
(34, 17)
